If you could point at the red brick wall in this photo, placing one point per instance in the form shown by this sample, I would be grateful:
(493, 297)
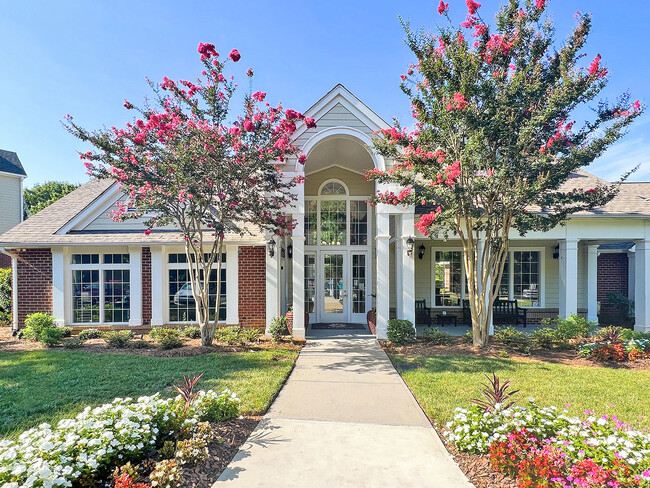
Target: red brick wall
(612, 278)
(5, 261)
(146, 286)
(34, 283)
(252, 286)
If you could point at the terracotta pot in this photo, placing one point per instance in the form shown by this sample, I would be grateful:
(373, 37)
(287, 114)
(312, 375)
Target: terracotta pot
(371, 318)
(289, 316)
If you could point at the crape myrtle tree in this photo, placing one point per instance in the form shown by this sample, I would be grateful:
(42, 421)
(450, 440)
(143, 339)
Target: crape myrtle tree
(184, 162)
(494, 144)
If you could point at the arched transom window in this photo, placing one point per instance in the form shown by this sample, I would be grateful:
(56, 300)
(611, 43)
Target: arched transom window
(336, 219)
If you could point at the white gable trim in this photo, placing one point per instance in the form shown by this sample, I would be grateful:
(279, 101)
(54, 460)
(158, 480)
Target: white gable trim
(340, 167)
(340, 94)
(99, 206)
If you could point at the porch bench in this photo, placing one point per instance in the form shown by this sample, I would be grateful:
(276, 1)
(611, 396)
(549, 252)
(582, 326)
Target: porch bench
(422, 313)
(502, 311)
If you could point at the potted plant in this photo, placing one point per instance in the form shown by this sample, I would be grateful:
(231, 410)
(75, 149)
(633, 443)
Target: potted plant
(289, 316)
(371, 318)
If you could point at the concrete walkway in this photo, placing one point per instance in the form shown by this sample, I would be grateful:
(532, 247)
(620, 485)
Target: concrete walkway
(344, 418)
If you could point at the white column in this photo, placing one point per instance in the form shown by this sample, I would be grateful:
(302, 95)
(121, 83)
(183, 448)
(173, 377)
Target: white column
(383, 274)
(592, 282)
(407, 296)
(272, 282)
(642, 286)
(397, 272)
(14, 291)
(232, 284)
(135, 286)
(157, 286)
(298, 276)
(568, 262)
(58, 285)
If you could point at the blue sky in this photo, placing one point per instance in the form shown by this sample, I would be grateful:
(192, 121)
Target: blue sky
(84, 58)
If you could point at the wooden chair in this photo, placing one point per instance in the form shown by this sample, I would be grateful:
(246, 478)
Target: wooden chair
(422, 313)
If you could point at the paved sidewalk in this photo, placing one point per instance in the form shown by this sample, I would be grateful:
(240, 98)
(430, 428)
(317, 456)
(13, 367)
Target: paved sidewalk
(343, 419)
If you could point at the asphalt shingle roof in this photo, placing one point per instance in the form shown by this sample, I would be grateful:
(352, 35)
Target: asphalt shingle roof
(10, 163)
(42, 228)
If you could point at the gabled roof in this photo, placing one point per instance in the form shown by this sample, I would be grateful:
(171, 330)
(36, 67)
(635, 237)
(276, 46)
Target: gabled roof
(54, 225)
(10, 163)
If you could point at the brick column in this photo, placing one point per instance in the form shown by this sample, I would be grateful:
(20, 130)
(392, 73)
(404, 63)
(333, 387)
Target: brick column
(252, 286)
(33, 283)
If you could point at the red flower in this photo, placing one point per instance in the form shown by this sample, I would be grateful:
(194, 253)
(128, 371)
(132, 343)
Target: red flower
(207, 50)
(442, 8)
(302, 159)
(309, 122)
(249, 126)
(594, 67)
(128, 105)
(234, 55)
(472, 6)
(540, 4)
(458, 103)
(259, 96)
(249, 72)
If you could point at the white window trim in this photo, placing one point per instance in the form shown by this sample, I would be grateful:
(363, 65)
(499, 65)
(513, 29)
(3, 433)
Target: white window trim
(100, 267)
(231, 257)
(510, 271)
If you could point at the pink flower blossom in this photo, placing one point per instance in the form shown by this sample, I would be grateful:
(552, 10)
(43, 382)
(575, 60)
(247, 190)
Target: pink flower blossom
(402, 77)
(249, 72)
(234, 55)
(128, 105)
(540, 4)
(147, 232)
(594, 68)
(458, 102)
(259, 96)
(249, 126)
(309, 122)
(302, 159)
(442, 8)
(472, 6)
(234, 131)
(207, 50)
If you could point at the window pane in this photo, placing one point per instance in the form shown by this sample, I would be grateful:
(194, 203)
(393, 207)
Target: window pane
(85, 259)
(333, 283)
(333, 188)
(116, 295)
(503, 288)
(333, 222)
(85, 296)
(448, 269)
(310, 283)
(311, 222)
(182, 306)
(358, 223)
(526, 277)
(358, 283)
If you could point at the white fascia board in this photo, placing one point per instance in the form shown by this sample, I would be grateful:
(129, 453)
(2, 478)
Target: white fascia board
(102, 203)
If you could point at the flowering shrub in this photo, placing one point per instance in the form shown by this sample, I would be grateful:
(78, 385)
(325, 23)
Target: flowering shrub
(166, 474)
(632, 349)
(100, 438)
(544, 444)
(125, 481)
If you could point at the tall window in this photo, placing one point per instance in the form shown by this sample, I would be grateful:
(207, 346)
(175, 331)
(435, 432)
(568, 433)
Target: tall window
(448, 278)
(100, 290)
(526, 277)
(182, 307)
(358, 223)
(311, 222)
(358, 283)
(310, 283)
(333, 222)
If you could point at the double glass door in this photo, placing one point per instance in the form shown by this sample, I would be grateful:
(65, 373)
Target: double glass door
(338, 286)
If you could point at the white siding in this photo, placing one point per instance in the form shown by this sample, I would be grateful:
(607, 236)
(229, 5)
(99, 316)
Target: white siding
(10, 199)
(337, 116)
(105, 223)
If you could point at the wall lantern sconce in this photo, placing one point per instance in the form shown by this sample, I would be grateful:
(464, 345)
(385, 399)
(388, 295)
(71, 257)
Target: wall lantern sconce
(271, 245)
(410, 243)
(290, 251)
(421, 251)
(556, 252)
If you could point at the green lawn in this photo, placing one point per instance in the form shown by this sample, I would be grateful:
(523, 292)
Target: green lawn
(442, 383)
(43, 386)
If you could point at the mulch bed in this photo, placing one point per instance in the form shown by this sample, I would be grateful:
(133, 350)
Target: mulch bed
(461, 348)
(232, 434)
(191, 347)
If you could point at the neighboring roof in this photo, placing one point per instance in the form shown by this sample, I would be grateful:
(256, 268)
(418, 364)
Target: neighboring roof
(42, 228)
(10, 163)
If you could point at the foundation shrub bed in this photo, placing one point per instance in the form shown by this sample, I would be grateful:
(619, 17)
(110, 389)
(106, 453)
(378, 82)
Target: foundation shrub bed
(84, 450)
(513, 338)
(400, 331)
(191, 332)
(117, 338)
(88, 334)
(543, 446)
(234, 334)
(278, 328)
(436, 337)
(5, 296)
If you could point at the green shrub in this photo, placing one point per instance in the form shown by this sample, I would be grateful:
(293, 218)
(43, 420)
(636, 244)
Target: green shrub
(138, 344)
(572, 327)
(192, 451)
(117, 338)
(548, 338)
(159, 333)
(74, 343)
(51, 336)
(35, 323)
(278, 328)
(167, 450)
(171, 342)
(5, 296)
(513, 338)
(191, 332)
(67, 331)
(628, 335)
(250, 335)
(435, 336)
(166, 474)
(86, 334)
(400, 331)
(234, 334)
(468, 337)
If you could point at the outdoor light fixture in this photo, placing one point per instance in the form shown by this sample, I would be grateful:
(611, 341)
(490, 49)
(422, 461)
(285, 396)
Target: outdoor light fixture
(556, 252)
(421, 251)
(290, 251)
(410, 243)
(271, 245)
